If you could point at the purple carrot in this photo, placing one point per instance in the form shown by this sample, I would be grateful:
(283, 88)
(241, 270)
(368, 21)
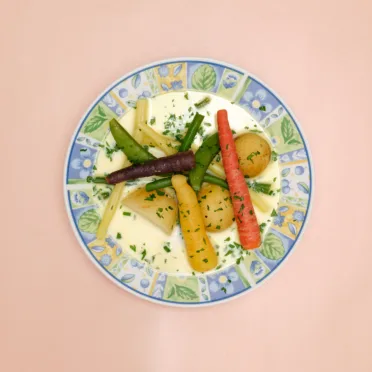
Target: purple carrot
(182, 161)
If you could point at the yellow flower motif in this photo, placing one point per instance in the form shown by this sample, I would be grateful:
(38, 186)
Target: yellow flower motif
(222, 279)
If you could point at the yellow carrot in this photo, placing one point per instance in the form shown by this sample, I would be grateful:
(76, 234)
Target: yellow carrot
(200, 252)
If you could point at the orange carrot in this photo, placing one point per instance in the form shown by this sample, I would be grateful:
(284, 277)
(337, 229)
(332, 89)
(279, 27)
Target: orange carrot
(249, 231)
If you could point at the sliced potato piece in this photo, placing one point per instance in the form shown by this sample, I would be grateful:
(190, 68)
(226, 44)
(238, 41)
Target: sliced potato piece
(160, 209)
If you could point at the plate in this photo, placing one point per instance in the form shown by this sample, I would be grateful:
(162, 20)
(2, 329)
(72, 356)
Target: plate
(279, 124)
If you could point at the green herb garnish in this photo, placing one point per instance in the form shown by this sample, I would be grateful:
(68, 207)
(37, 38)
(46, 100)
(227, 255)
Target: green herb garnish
(151, 197)
(202, 102)
(143, 254)
(252, 155)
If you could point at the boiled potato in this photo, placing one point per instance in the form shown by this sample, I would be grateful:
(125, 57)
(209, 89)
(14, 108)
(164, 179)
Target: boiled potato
(159, 207)
(216, 207)
(254, 154)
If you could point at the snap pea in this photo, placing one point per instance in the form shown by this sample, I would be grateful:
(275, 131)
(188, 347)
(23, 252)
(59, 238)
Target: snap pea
(191, 133)
(135, 153)
(203, 157)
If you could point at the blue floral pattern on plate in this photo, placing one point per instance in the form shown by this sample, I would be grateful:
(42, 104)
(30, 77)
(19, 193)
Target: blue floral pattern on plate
(258, 101)
(82, 162)
(224, 283)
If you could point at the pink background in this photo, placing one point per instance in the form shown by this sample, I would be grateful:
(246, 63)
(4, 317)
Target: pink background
(59, 313)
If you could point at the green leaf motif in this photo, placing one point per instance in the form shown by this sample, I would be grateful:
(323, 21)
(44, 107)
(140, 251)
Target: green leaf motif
(171, 293)
(89, 221)
(101, 112)
(294, 142)
(287, 130)
(93, 123)
(273, 248)
(204, 78)
(185, 293)
(303, 187)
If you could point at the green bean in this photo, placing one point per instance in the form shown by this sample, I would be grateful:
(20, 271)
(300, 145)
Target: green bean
(166, 182)
(191, 133)
(135, 153)
(203, 157)
(216, 181)
(159, 184)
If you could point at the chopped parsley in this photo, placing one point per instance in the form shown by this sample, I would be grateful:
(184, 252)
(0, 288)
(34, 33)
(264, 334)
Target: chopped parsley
(274, 156)
(160, 193)
(262, 108)
(118, 236)
(186, 95)
(159, 212)
(109, 151)
(143, 254)
(167, 247)
(153, 120)
(133, 248)
(202, 102)
(205, 260)
(273, 213)
(241, 198)
(127, 214)
(252, 155)
(151, 197)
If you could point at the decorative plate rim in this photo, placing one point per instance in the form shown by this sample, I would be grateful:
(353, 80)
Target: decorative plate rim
(148, 297)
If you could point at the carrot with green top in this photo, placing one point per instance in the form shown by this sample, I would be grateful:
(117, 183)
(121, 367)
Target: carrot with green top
(248, 228)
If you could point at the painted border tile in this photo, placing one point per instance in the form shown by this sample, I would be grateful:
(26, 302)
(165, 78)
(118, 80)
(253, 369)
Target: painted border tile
(204, 76)
(224, 283)
(274, 248)
(230, 82)
(258, 101)
(81, 164)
